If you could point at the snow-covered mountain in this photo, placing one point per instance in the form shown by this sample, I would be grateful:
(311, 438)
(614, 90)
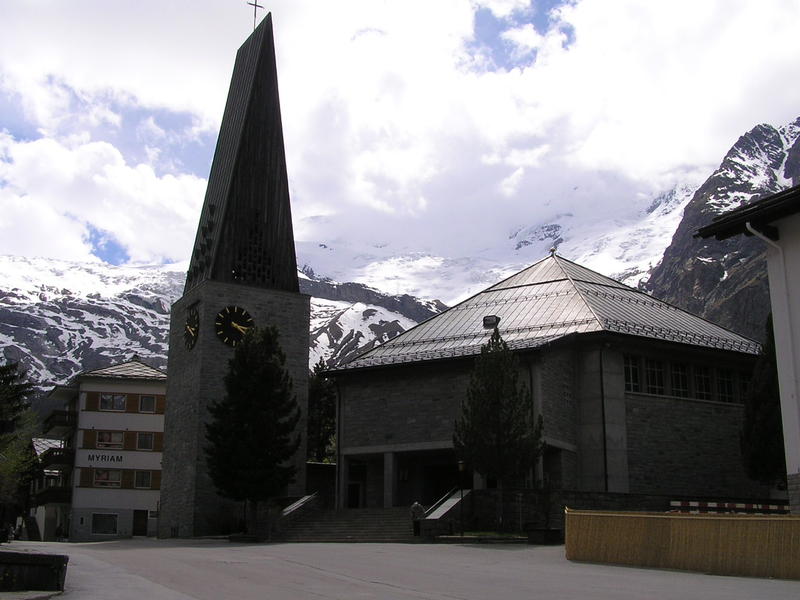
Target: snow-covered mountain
(726, 280)
(58, 318)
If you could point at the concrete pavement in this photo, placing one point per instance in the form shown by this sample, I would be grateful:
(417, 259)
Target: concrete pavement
(216, 570)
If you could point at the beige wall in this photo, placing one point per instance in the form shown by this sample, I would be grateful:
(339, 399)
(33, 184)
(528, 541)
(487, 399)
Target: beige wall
(784, 287)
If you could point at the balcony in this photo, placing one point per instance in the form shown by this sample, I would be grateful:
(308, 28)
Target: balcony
(57, 458)
(54, 495)
(60, 422)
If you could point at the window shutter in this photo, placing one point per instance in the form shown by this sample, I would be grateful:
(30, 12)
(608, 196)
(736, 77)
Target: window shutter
(92, 400)
(89, 438)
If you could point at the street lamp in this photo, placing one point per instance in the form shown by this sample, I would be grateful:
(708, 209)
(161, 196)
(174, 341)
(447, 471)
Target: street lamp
(461, 466)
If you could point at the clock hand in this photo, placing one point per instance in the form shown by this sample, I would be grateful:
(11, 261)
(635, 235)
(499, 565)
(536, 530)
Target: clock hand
(191, 330)
(240, 328)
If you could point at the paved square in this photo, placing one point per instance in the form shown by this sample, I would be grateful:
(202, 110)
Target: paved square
(146, 569)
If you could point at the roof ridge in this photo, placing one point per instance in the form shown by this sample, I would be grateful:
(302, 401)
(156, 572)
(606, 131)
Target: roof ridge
(578, 290)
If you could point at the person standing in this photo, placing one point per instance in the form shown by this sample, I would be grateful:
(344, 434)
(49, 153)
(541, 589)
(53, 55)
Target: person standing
(417, 514)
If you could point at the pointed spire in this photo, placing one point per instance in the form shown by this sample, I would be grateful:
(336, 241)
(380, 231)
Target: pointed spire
(245, 231)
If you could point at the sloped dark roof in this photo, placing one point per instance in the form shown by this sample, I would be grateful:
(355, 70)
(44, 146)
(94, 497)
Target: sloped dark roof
(547, 301)
(759, 214)
(133, 369)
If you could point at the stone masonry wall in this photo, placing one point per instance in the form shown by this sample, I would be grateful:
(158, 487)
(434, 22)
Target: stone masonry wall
(403, 404)
(686, 447)
(190, 504)
(559, 410)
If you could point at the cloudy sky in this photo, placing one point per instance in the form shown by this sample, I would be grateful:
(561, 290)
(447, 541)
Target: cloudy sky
(431, 126)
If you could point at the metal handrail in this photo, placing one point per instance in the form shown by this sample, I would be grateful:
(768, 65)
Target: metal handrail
(440, 501)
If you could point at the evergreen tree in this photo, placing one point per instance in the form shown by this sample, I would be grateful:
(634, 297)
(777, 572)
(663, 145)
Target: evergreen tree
(321, 416)
(14, 391)
(18, 424)
(761, 438)
(252, 433)
(496, 432)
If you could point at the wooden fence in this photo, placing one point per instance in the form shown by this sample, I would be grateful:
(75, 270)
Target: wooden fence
(722, 544)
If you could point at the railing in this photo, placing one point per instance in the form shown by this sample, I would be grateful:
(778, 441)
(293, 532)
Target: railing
(440, 501)
(54, 495)
(298, 504)
(57, 457)
(60, 421)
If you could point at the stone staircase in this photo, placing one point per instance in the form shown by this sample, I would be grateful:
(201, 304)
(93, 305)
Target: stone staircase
(350, 525)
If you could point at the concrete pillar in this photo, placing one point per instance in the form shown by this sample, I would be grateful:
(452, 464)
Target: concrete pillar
(602, 434)
(389, 462)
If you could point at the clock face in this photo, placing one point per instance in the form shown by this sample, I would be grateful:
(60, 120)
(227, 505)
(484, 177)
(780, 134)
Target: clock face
(191, 328)
(232, 323)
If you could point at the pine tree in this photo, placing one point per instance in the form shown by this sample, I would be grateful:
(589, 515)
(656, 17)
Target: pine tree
(18, 424)
(496, 432)
(252, 433)
(761, 438)
(321, 416)
(14, 391)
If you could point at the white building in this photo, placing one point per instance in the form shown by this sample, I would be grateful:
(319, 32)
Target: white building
(112, 427)
(776, 221)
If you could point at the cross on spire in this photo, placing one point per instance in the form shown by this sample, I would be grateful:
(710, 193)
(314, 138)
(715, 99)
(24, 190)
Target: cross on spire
(255, 6)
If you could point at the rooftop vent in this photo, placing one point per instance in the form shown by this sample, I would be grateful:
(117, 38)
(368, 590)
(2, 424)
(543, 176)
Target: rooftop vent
(490, 321)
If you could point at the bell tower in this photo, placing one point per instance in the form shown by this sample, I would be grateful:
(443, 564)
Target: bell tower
(243, 272)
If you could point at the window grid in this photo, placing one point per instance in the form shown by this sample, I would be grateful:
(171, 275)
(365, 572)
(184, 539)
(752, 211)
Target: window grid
(107, 478)
(680, 380)
(702, 383)
(147, 404)
(110, 439)
(654, 375)
(143, 479)
(115, 402)
(144, 441)
(631, 373)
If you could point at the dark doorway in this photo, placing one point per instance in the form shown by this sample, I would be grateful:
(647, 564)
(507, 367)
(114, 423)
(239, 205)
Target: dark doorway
(356, 487)
(140, 522)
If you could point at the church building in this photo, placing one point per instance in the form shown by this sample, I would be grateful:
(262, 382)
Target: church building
(242, 274)
(637, 396)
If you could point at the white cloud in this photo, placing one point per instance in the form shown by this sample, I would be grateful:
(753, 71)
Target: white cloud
(504, 8)
(66, 188)
(385, 104)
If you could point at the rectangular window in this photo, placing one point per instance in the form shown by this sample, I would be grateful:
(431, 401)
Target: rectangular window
(109, 439)
(744, 385)
(112, 402)
(725, 390)
(147, 404)
(104, 524)
(680, 380)
(144, 441)
(654, 372)
(702, 383)
(142, 479)
(631, 373)
(107, 478)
